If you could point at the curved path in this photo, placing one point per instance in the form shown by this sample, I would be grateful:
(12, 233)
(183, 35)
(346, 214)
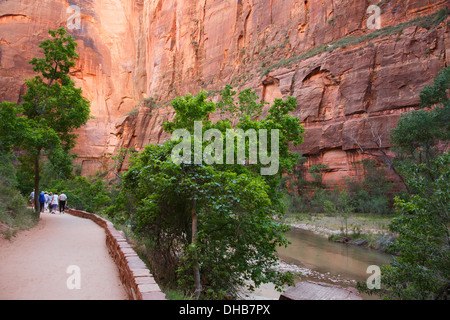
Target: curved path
(34, 265)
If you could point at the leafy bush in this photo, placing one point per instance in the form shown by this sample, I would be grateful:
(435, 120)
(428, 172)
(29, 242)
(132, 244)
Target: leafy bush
(7, 170)
(211, 228)
(370, 195)
(421, 270)
(13, 206)
(14, 211)
(88, 194)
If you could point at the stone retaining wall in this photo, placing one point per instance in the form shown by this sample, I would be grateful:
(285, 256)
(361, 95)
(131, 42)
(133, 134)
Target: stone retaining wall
(134, 274)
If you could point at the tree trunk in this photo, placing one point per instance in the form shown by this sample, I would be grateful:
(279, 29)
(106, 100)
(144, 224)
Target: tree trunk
(393, 169)
(194, 233)
(37, 206)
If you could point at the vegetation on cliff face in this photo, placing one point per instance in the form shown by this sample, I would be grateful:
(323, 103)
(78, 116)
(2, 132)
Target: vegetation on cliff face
(427, 22)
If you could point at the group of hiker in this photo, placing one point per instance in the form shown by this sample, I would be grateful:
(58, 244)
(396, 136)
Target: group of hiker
(50, 201)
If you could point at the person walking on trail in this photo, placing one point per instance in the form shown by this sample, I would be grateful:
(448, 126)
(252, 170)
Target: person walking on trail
(32, 199)
(62, 202)
(54, 203)
(47, 200)
(42, 201)
(50, 197)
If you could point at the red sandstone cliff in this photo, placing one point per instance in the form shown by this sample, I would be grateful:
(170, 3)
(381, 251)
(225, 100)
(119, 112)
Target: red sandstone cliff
(351, 84)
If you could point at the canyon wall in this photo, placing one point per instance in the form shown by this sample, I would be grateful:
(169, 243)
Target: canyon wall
(352, 83)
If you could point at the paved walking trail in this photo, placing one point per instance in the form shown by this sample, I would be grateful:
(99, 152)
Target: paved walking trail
(34, 264)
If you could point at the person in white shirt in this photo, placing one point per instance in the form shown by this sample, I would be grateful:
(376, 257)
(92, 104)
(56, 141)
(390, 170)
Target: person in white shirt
(32, 199)
(54, 203)
(47, 200)
(62, 202)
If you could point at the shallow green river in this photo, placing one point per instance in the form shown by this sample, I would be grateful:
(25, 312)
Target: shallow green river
(318, 254)
(321, 260)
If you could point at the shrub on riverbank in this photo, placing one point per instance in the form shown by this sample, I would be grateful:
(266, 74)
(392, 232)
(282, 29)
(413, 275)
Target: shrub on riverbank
(366, 230)
(327, 224)
(380, 242)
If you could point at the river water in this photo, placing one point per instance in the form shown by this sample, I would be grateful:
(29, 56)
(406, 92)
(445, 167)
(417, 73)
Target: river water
(321, 260)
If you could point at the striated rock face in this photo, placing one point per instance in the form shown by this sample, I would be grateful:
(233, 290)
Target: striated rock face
(352, 84)
(107, 45)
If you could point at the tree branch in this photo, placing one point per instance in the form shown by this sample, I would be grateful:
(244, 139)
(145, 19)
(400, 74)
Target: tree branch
(380, 152)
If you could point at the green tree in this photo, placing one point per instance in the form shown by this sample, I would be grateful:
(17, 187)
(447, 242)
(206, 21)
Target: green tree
(12, 126)
(417, 135)
(422, 270)
(52, 109)
(212, 228)
(418, 132)
(316, 172)
(341, 209)
(248, 103)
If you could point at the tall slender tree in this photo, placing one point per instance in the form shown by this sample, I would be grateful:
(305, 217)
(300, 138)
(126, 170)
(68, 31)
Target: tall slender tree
(52, 109)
